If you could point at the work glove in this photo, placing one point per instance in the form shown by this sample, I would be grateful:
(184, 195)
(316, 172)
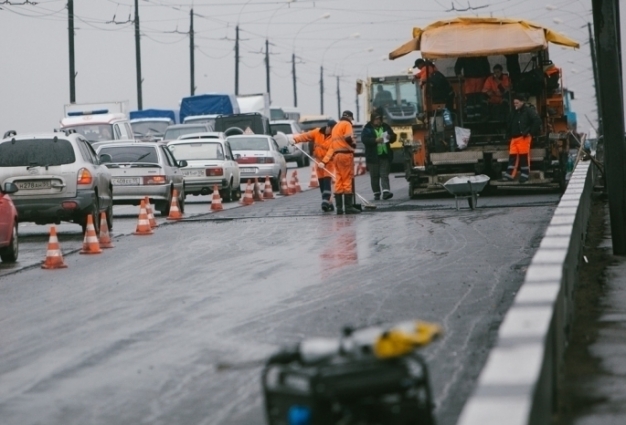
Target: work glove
(291, 140)
(321, 165)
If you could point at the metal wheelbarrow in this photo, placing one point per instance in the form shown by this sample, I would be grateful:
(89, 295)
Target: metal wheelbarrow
(467, 187)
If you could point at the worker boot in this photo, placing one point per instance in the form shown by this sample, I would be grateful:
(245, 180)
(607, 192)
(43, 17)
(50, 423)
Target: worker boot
(339, 199)
(349, 204)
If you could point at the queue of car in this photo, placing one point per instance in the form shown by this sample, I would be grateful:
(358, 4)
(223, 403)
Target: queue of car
(95, 161)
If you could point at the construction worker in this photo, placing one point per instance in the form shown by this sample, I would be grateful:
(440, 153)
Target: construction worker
(376, 137)
(497, 87)
(424, 70)
(522, 125)
(320, 139)
(341, 152)
(475, 71)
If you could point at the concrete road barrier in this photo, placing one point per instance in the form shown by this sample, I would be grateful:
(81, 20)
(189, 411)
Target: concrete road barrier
(518, 383)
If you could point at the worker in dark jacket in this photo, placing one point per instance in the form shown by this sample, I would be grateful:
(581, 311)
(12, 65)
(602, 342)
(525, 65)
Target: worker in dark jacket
(523, 124)
(377, 137)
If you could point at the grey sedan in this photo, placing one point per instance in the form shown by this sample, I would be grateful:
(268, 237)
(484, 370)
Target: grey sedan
(144, 169)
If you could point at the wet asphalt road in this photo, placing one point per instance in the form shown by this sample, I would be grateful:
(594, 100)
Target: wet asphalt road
(133, 335)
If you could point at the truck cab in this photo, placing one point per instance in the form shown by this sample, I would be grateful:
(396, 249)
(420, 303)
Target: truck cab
(99, 125)
(399, 101)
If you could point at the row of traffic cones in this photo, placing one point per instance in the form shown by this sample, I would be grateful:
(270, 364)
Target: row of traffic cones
(93, 244)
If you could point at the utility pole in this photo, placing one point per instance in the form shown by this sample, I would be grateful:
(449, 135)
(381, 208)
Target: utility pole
(321, 90)
(138, 56)
(70, 31)
(293, 73)
(358, 113)
(192, 58)
(237, 60)
(606, 25)
(338, 99)
(596, 80)
(267, 69)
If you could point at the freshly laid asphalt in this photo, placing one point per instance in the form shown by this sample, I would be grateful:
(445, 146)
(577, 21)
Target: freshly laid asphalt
(134, 335)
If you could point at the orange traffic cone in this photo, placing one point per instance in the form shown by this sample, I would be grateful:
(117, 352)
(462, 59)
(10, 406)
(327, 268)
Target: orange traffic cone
(257, 195)
(291, 187)
(313, 181)
(90, 243)
(105, 238)
(284, 188)
(143, 224)
(268, 193)
(54, 257)
(175, 213)
(247, 197)
(216, 200)
(296, 182)
(361, 169)
(151, 219)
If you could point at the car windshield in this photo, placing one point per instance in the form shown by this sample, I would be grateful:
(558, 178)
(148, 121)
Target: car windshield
(146, 128)
(284, 128)
(209, 121)
(36, 152)
(191, 151)
(138, 153)
(249, 144)
(94, 132)
(396, 94)
(175, 133)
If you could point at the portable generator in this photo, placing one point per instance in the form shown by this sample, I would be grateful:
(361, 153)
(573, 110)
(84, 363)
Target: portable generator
(346, 382)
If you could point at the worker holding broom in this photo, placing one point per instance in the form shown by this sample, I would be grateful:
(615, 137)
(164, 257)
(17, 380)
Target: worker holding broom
(320, 139)
(341, 152)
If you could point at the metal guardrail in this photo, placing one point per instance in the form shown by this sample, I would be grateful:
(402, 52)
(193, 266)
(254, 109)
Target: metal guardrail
(518, 384)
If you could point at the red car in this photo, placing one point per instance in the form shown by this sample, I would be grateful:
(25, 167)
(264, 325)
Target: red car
(8, 224)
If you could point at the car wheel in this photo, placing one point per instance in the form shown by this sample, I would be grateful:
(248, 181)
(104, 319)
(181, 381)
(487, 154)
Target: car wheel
(276, 183)
(95, 218)
(181, 200)
(226, 195)
(236, 194)
(9, 254)
(164, 207)
(109, 216)
(299, 162)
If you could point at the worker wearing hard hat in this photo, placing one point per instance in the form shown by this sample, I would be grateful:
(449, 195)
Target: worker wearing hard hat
(320, 139)
(341, 152)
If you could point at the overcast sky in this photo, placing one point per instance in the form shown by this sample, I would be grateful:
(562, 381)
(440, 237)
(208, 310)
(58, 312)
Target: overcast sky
(351, 37)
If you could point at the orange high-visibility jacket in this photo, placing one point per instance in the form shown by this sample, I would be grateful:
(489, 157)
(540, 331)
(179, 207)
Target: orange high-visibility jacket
(338, 143)
(321, 142)
(492, 89)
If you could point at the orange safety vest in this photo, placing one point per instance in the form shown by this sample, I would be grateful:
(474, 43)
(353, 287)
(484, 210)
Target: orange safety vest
(491, 88)
(338, 140)
(321, 142)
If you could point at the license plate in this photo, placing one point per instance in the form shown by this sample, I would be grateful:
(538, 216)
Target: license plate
(193, 173)
(126, 181)
(248, 170)
(34, 185)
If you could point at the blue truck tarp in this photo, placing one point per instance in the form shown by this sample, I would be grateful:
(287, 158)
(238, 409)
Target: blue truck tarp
(154, 113)
(208, 104)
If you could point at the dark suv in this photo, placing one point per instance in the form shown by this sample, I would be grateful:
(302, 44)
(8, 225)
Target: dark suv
(59, 178)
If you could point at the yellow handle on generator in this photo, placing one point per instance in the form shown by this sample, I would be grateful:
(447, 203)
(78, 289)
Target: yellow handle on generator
(397, 342)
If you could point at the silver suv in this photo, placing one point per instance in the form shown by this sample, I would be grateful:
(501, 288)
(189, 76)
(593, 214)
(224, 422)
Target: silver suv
(59, 178)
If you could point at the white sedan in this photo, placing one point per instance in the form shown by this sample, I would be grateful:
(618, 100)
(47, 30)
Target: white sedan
(259, 156)
(210, 162)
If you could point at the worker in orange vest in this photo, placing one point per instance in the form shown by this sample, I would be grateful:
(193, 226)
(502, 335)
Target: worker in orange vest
(320, 139)
(341, 152)
(523, 124)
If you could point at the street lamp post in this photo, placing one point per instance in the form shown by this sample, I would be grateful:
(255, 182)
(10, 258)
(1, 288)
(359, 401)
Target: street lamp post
(355, 35)
(293, 57)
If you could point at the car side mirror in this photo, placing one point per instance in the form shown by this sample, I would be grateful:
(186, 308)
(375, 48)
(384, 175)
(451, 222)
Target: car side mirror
(10, 187)
(182, 163)
(284, 150)
(237, 156)
(105, 157)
